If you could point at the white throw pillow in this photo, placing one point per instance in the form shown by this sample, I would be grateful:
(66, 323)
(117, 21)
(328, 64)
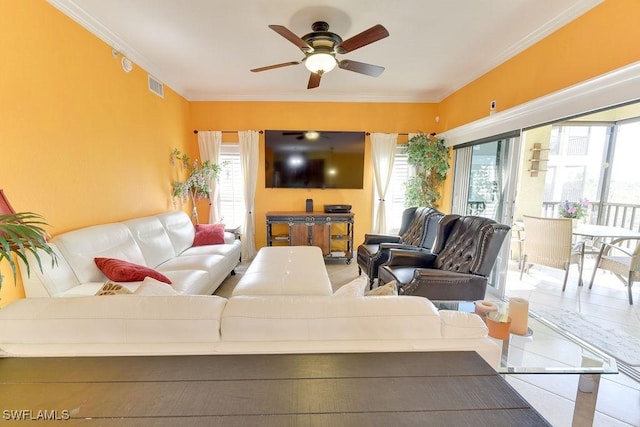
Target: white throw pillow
(389, 288)
(354, 288)
(151, 287)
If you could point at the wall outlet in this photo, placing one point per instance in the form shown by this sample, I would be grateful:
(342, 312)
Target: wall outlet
(492, 107)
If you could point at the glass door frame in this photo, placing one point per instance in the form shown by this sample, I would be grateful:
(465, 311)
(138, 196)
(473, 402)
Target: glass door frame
(462, 177)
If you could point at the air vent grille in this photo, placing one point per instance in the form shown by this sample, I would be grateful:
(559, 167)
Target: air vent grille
(156, 86)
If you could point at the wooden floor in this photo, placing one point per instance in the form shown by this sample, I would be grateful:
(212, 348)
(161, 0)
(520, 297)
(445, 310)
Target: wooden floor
(372, 389)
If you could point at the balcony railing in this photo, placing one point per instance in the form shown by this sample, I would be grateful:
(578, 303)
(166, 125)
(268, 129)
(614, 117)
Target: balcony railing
(612, 214)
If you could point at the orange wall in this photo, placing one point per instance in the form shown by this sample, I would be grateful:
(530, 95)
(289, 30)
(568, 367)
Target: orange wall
(368, 117)
(603, 39)
(82, 141)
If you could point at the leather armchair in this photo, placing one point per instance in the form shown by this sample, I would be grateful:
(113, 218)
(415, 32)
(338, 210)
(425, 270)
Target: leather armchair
(417, 231)
(463, 255)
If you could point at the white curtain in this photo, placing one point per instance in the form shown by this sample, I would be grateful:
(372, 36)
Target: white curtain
(249, 168)
(383, 153)
(209, 142)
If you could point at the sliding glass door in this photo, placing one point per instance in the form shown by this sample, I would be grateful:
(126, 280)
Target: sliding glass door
(485, 185)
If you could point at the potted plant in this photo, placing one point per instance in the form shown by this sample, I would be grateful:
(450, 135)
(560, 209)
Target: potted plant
(20, 234)
(577, 211)
(430, 157)
(199, 178)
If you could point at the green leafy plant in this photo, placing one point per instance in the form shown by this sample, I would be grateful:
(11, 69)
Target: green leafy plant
(20, 234)
(430, 157)
(200, 175)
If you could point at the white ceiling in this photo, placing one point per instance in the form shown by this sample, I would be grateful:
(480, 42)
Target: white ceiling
(204, 49)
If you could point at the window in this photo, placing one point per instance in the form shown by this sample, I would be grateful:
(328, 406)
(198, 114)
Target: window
(230, 188)
(574, 169)
(395, 194)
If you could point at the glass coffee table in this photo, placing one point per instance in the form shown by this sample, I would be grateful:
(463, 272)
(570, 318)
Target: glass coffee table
(549, 349)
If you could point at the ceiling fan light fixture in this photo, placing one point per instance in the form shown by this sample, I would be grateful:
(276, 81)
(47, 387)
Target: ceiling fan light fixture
(311, 135)
(320, 63)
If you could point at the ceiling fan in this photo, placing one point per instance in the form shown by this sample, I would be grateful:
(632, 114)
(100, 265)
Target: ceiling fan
(321, 46)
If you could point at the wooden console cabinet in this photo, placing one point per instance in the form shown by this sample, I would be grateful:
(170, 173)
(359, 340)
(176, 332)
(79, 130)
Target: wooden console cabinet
(331, 232)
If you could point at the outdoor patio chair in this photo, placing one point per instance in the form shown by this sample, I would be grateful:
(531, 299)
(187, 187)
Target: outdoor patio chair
(549, 242)
(622, 260)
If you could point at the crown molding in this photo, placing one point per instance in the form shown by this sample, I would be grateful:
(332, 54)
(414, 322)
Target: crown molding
(570, 14)
(80, 16)
(617, 87)
(307, 97)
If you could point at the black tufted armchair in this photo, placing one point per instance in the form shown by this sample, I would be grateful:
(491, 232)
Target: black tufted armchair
(463, 255)
(417, 231)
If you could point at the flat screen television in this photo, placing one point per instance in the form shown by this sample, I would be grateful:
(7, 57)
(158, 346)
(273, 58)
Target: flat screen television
(310, 159)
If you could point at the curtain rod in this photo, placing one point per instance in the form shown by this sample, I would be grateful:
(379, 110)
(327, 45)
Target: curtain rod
(261, 132)
(405, 133)
(228, 131)
(399, 133)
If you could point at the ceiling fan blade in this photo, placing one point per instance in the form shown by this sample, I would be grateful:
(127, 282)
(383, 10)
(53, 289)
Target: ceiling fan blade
(271, 67)
(361, 67)
(314, 80)
(289, 35)
(366, 37)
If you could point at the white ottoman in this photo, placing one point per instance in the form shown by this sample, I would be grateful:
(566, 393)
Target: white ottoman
(286, 270)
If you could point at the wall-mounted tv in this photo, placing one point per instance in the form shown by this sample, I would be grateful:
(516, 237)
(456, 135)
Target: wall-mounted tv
(314, 159)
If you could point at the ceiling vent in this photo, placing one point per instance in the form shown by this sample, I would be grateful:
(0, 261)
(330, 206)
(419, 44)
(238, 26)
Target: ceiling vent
(156, 86)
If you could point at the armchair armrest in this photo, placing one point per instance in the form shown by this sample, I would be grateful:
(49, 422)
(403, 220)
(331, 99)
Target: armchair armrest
(388, 246)
(410, 258)
(615, 246)
(384, 248)
(375, 238)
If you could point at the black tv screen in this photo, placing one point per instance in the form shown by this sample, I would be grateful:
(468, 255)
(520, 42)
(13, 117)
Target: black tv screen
(310, 159)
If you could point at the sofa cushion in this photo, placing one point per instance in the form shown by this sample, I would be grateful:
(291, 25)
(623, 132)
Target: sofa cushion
(116, 319)
(80, 247)
(123, 271)
(459, 324)
(311, 318)
(209, 234)
(152, 238)
(231, 248)
(179, 228)
(92, 288)
(53, 280)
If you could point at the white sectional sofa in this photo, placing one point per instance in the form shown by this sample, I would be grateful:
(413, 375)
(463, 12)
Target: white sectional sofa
(283, 304)
(202, 324)
(163, 242)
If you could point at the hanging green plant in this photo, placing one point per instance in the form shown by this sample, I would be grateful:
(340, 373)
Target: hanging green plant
(430, 157)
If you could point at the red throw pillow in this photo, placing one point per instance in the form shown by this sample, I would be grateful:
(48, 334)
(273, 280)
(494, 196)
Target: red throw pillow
(123, 271)
(209, 234)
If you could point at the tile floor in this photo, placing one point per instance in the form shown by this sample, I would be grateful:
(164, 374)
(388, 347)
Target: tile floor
(553, 396)
(618, 401)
